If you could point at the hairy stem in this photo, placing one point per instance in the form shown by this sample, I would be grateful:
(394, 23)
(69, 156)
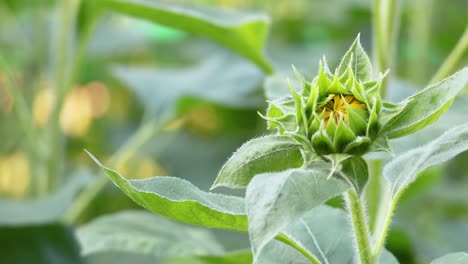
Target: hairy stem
(372, 192)
(451, 61)
(359, 223)
(290, 242)
(384, 219)
(125, 153)
(386, 21)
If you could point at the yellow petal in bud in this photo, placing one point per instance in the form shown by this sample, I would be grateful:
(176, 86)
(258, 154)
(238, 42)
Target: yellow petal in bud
(336, 107)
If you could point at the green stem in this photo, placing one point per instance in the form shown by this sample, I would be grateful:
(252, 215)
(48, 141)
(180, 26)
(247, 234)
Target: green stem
(54, 157)
(451, 61)
(384, 217)
(23, 115)
(88, 30)
(388, 201)
(378, 37)
(419, 38)
(125, 153)
(20, 107)
(290, 242)
(372, 190)
(386, 20)
(359, 222)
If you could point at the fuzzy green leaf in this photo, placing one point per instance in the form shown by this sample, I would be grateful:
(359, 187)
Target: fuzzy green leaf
(359, 146)
(322, 81)
(343, 136)
(452, 258)
(423, 108)
(265, 154)
(180, 200)
(326, 234)
(275, 200)
(114, 257)
(278, 118)
(356, 171)
(222, 79)
(238, 257)
(244, 33)
(403, 170)
(357, 58)
(322, 143)
(46, 210)
(144, 233)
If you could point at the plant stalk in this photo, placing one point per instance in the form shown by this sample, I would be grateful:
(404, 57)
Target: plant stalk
(451, 61)
(20, 107)
(419, 39)
(372, 192)
(386, 21)
(54, 156)
(360, 227)
(384, 217)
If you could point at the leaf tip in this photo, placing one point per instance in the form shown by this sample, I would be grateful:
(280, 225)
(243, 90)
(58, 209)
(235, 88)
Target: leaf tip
(214, 186)
(93, 158)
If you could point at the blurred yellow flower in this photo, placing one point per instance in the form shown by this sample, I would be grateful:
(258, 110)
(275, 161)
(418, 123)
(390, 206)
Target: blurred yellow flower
(81, 105)
(14, 175)
(203, 120)
(6, 100)
(141, 167)
(43, 106)
(76, 115)
(99, 98)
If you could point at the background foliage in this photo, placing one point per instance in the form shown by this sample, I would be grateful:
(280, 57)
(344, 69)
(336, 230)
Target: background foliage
(172, 90)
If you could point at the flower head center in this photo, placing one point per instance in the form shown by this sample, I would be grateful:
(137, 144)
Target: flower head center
(337, 107)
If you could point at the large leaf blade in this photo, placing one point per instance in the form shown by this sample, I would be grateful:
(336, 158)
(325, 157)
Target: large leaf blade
(113, 257)
(44, 210)
(220, 79)
(453, 258)
(243, 33)
(269, 198)
(180, 200)
(404, 169)
(145, 233)
(423, 108)
(265, 154)
(326, 233)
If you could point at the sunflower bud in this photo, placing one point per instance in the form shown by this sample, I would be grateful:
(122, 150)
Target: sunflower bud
(335, 112)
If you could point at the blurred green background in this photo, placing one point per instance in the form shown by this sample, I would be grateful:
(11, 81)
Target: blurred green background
(135, 72)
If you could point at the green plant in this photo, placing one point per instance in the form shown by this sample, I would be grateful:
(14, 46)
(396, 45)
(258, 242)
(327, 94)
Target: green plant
(323, 130)
(331, 138)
